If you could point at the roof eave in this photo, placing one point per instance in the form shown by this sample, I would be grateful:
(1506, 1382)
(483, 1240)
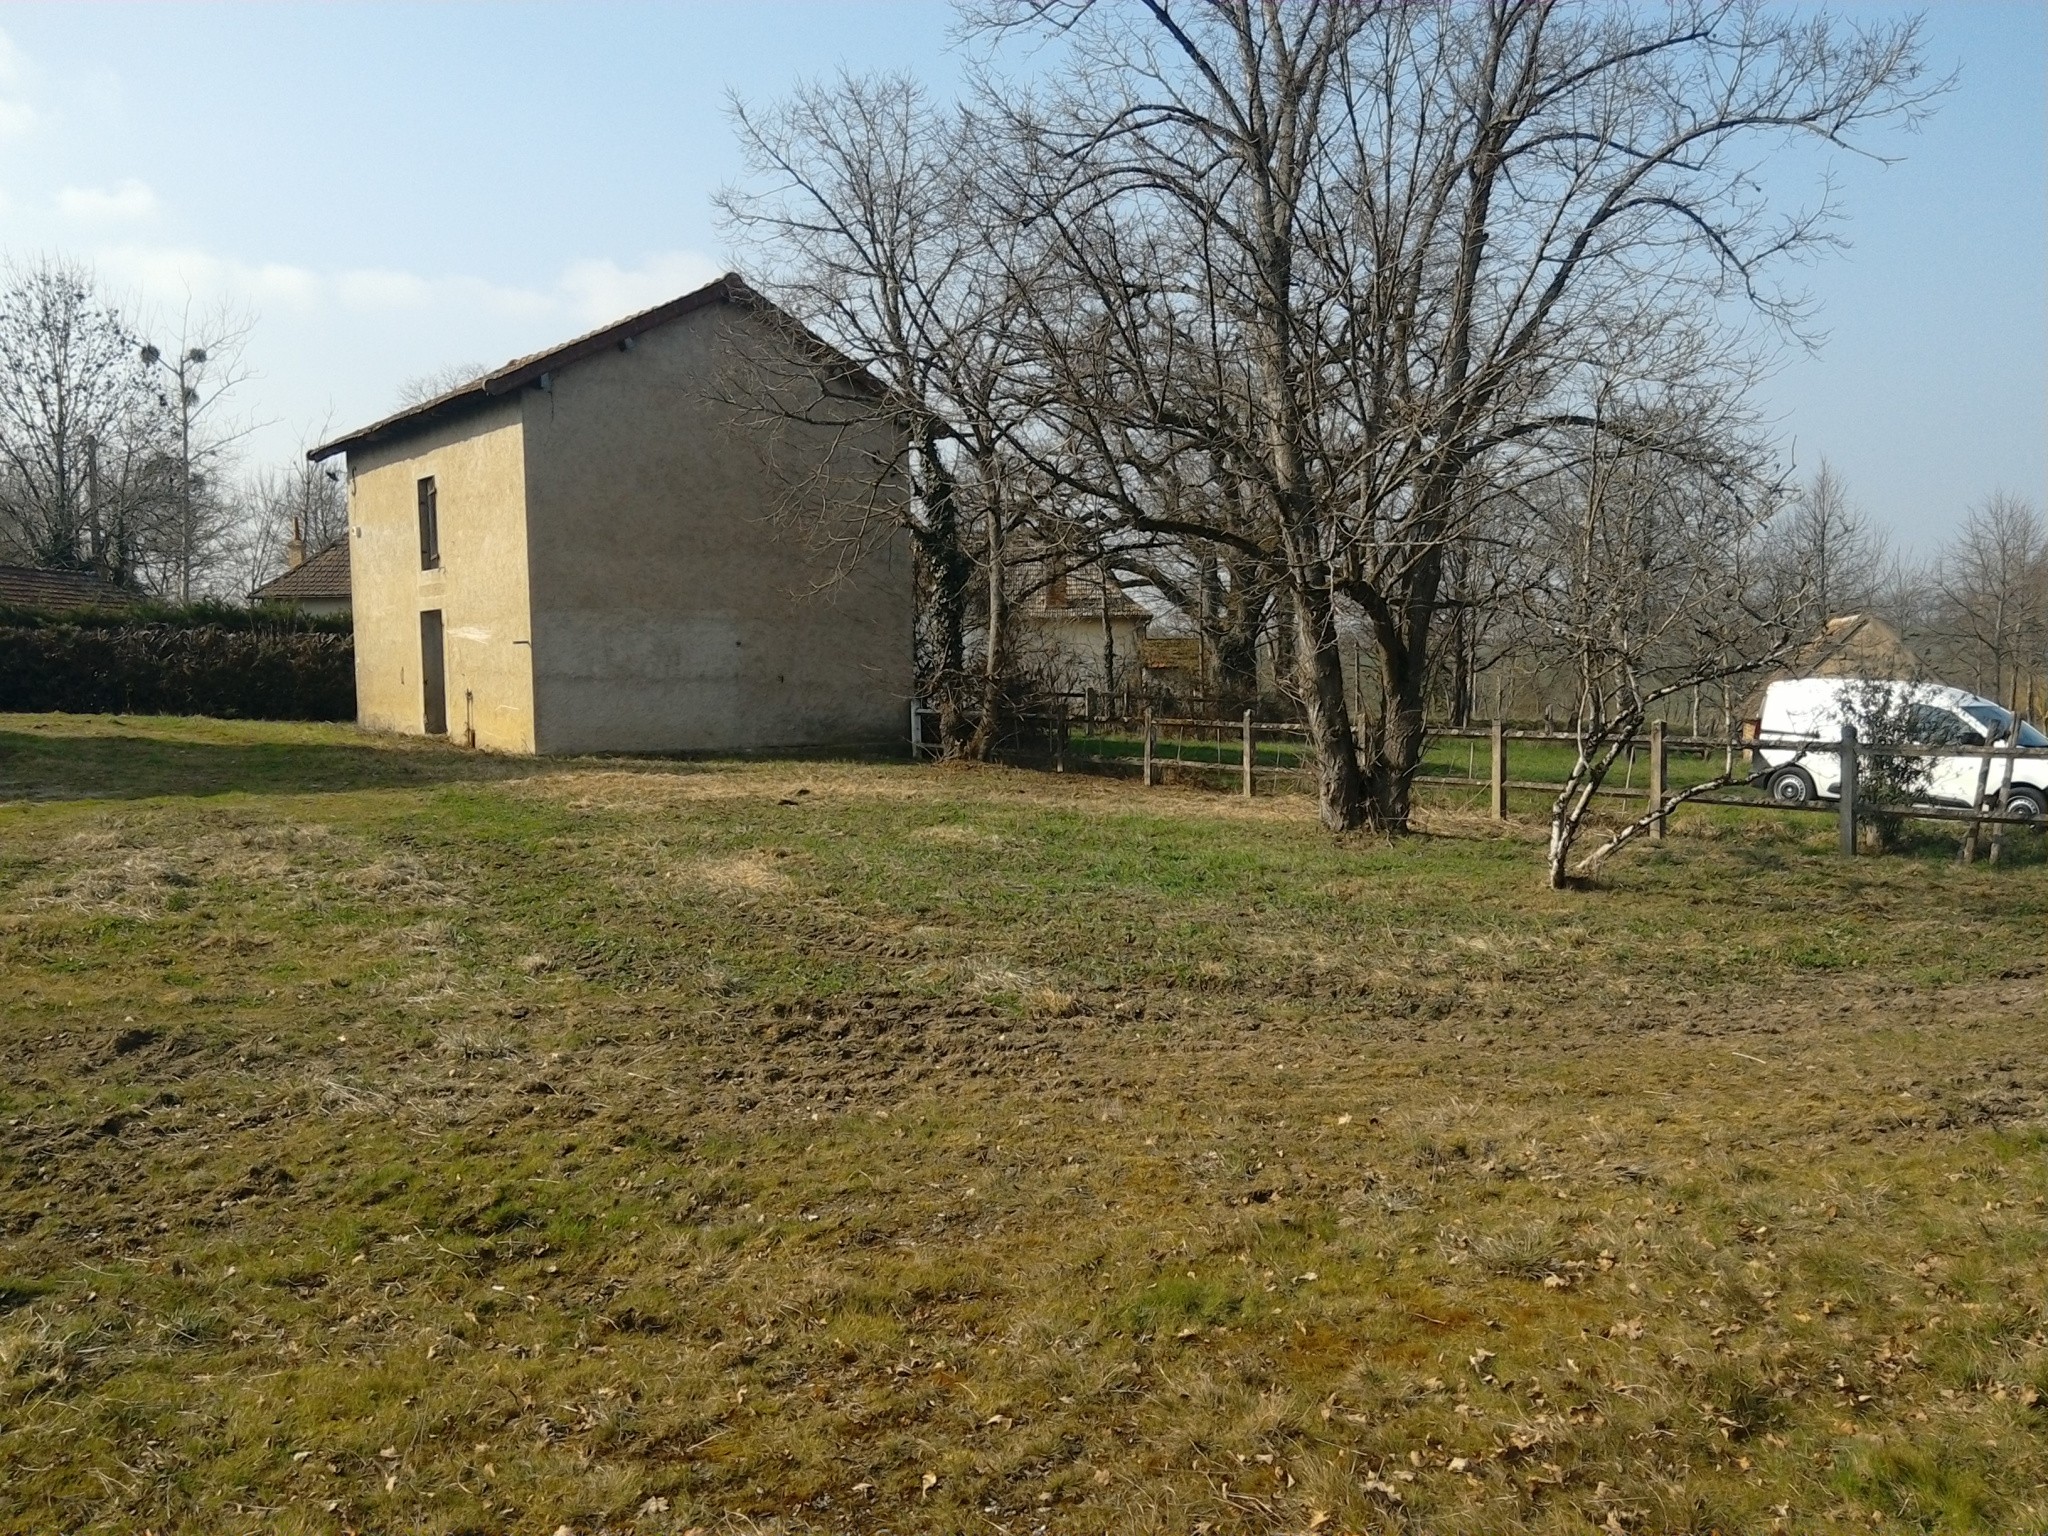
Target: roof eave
(411, 419)
(521, 372)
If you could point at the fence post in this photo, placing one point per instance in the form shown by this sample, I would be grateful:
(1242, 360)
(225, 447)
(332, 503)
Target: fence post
(1657, 780)
(1850, 768)
(1497, 792)
(1249, 749)
(1151, 739)
(2005, 789)
(916, 731)
(1059, 736)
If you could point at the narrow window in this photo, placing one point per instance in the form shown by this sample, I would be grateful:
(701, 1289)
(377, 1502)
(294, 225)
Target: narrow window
(430, 527)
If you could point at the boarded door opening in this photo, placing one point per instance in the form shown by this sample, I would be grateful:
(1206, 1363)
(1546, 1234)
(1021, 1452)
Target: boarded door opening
(433, 674)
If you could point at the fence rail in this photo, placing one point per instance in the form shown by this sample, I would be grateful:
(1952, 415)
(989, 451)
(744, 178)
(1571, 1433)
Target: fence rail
(1236, 745)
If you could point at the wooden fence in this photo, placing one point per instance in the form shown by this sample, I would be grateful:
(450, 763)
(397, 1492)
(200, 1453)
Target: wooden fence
(1233, 749)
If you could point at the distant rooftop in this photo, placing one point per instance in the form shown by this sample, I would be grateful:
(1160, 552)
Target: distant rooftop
(23, 586)
(1080, 593)
(322, 576)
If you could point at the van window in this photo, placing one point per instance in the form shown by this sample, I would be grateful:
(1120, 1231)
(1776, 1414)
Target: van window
(1999, 721)
(1939, 727)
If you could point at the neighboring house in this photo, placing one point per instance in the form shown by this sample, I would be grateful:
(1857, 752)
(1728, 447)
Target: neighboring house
(316, 585)
(24, 586)
(589, 550)
(1175, 664)
(1082, 631)
(1854, 645)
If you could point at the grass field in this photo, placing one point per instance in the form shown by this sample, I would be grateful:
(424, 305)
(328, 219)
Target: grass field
(399, 1140)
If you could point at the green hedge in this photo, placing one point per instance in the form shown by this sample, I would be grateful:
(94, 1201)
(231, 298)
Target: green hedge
(204, 614)
(208, 659)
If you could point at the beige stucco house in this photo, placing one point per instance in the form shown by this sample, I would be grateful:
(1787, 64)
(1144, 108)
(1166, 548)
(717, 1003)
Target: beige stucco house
(1079, 631)
(593, 549)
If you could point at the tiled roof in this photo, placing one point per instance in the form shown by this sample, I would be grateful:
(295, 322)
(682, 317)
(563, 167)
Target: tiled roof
(522, 371)
(1079, 595)
(1170, 653)
(58, 591)
(325, 575)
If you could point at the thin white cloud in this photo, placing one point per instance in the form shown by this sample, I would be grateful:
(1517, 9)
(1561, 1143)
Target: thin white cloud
(383, 290)
(125, 203)
(162, 278)
(13, 62)
(18, 118)
(286, 284)
(373, 289)
(601, 290)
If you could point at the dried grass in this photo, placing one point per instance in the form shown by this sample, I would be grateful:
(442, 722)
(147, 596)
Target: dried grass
(1124, 1162)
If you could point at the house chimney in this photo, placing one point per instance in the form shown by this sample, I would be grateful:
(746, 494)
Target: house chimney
(295, 549)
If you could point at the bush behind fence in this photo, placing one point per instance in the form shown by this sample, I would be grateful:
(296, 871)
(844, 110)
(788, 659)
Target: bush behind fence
(177, 662)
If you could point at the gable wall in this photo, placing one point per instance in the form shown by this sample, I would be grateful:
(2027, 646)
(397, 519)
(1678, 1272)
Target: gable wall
(478, 466)
(671, 611)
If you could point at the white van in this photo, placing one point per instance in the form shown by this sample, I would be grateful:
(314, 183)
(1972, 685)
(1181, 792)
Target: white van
(1814, 709)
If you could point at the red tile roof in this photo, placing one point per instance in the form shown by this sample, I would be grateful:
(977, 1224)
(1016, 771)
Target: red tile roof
(324, 576)
(58, 591)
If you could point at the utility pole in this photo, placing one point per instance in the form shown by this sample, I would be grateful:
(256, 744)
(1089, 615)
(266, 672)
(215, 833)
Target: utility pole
(95, 538)
(185, 371)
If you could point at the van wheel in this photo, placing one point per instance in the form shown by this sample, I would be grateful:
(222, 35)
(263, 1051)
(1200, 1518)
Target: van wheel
(2024, 802)
(1790, 786)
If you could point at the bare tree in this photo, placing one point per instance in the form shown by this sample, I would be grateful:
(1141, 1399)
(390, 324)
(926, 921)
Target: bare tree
(1824, 546)
(1228, 597)
(1991, 598)
(1651, 551)
(866, 217)
(1359, 255)
(81, 438)
(288, 513)
(194, 380)
(435, 382)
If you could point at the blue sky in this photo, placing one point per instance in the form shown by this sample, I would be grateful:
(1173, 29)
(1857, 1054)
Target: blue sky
(393, 189)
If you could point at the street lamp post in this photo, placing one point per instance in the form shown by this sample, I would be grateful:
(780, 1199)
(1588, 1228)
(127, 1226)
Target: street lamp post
(185, 372)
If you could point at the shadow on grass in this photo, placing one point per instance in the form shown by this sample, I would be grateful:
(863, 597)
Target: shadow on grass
(140, 764)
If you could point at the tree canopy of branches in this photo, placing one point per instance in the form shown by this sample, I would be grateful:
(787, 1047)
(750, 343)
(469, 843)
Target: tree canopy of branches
(293, 510)
(1338, 263)
(1990, 599)
(871, 227)
(193, 381)
(84, 469)
(1649, 574)
(1824, 547)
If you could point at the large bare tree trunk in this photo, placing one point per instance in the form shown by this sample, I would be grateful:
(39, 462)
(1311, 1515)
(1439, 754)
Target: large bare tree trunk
(948, 574)
(1397, 752)
(1319, 671)
(988, 730)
